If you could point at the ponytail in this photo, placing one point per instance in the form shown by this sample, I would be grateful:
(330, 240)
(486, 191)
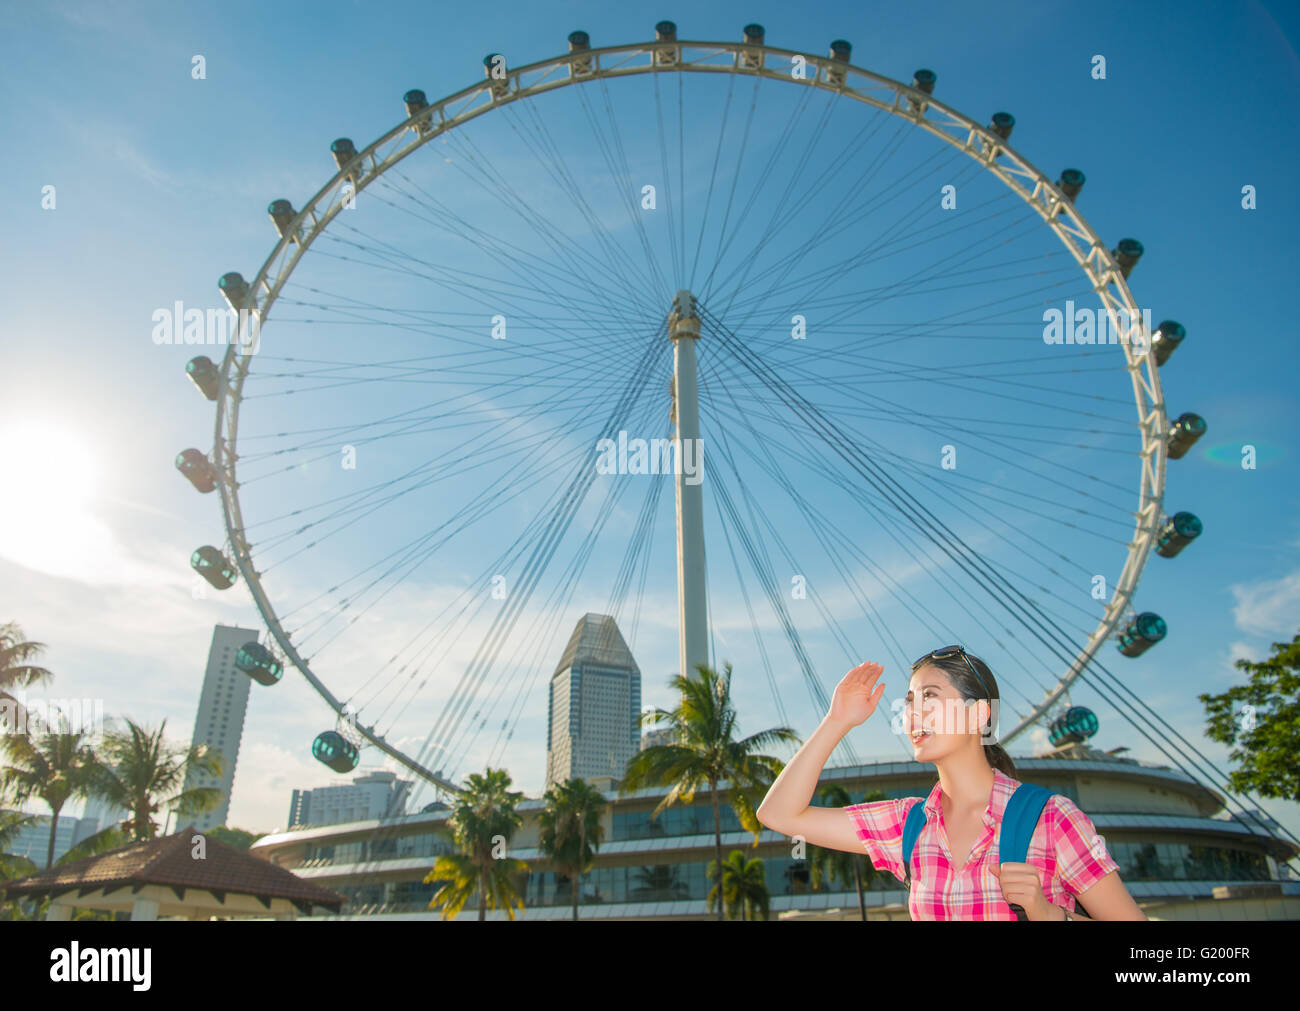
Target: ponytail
(1000, 760)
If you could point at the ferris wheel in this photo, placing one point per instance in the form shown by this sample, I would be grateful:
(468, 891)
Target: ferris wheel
(923, 382)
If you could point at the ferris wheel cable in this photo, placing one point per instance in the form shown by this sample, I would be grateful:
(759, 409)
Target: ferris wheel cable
(904, 462)
(483, 505)
(781, 476)
(609, 366)
(552, 157)
(369, 507)
(1201, 760)
(538, 462)
(673, 246)
(547, 230)
(828, 473)
(798, 115)
(827, 616)
(924, 520)
(464, 283)
(615, 259)
(713, 173)
(971, 425)
(753, 623)
(562, 597)
(839, 219)
(900, 412)
(443, 214)
(766, 580)
(439, 467)
(835, 220)
(419, 660)
(552, 405)
(809, 513)
(579, 484)
(992, 574)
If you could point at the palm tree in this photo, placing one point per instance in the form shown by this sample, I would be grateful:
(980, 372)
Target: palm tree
(482, 823)
(142, 773)
(837, 865)
(743, 888)
(569, 830)
(50, 767)
(17, 670)
(706, 753)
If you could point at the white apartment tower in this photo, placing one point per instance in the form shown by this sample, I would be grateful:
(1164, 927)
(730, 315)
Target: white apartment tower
(595, 705)
(220, 721)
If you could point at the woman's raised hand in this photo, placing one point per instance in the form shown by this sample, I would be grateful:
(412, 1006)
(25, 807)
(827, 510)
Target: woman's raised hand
(856, 695)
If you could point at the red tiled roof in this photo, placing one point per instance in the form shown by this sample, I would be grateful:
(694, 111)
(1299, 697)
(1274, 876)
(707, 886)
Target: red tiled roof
(169, 861)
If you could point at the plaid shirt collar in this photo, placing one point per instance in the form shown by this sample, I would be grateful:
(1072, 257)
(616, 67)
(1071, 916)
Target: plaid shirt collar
(1003, 787)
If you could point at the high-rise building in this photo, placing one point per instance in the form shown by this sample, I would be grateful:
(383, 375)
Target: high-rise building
(220, 721)
(377, 794)
(594, 709)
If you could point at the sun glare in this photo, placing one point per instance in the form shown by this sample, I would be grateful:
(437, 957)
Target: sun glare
(50, 480)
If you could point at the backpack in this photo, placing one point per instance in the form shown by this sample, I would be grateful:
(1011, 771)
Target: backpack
(1024, 808)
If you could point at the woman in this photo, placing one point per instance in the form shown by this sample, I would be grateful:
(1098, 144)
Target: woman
(950, 718)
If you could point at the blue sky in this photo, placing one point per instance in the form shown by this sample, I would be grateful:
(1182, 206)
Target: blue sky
(162, 183)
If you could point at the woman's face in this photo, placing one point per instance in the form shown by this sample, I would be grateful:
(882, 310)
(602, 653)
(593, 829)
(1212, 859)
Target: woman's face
(939, 720)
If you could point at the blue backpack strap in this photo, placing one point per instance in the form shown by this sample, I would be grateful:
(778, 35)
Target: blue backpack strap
(911, 830)
(1018, 822)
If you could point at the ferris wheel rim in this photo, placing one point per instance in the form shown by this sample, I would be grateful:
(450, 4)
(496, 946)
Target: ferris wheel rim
(827, 73)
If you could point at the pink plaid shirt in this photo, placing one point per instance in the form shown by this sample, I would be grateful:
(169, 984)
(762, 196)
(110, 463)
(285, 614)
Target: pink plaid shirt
(1065, 849)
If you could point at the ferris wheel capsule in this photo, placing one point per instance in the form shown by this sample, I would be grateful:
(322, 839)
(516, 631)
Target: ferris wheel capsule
(841, 50)
(282, 215)
(923, 80)
(1127, 254)
(1166, 339)
(336, 751)
(1002, 124)
(1140, 634)
(344, 152)
(259, 663)
(415, 103)
(1074, 726)
(234, 288)
(1185, 431)
(197, 470)
(753, 36)
(1070, 183)
(579, 42)
(1177, 532)
(203, 373)
(215, 567)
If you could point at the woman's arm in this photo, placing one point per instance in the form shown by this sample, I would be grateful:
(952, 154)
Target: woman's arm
(786, 808)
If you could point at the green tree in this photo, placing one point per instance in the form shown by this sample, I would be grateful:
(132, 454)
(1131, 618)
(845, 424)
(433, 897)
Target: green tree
(829, 866)
(52, 768)
(1263, 719)
(707, 753)
(17, 671)
(142, 773)
(569, 830)
(482, 822)
(237, 837)
(743, 887)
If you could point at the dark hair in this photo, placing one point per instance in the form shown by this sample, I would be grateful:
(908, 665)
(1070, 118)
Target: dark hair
(968, 687)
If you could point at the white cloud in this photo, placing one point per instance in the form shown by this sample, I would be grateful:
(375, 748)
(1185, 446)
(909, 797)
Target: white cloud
(1268, 608)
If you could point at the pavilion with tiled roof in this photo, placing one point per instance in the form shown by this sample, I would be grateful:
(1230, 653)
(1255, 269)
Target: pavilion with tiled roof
(185, 875)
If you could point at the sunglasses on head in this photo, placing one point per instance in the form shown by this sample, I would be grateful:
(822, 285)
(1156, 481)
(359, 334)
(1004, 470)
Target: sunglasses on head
(951, 651)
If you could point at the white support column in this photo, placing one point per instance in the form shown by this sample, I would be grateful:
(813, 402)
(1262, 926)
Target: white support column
(59, 911)
(144, 909)
(692, 607)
